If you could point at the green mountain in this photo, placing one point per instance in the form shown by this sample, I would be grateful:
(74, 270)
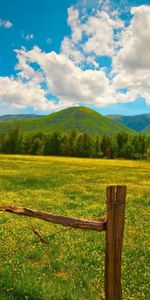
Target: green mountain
(21, 116)
(81, 118)
(137, 123)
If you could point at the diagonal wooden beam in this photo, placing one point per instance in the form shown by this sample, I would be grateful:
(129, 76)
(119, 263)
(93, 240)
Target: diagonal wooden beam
(61, 220)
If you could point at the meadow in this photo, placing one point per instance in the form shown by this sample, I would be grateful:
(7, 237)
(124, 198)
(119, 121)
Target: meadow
(70, 266)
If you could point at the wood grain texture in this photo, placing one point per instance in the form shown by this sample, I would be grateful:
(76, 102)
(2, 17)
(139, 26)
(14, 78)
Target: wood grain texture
(114, 235)
(65, 221)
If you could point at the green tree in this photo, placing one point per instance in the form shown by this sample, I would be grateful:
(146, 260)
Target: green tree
(55, 143)
(97, 152)
(47, 145)
(66, 146)
(114, 148)
(106, 146)
(83, 146)
(142, 143)
(148, 153)
(73, 135)
(12, 141)
(128, 151)
(122, 139)
(37, 146)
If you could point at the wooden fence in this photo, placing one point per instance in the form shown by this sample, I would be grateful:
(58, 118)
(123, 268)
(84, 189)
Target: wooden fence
(113, 224)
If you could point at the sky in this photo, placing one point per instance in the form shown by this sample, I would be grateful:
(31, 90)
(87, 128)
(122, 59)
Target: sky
(57, 54)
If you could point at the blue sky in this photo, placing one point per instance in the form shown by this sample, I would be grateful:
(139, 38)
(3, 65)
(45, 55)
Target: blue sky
(56, 54)
(44, 19)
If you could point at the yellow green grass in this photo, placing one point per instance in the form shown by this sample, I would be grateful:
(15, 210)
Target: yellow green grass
(71, 265)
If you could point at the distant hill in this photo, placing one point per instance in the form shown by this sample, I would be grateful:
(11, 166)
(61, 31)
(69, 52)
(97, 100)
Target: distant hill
(21, 116)
(146, 129)
(138, 123)
(80, 118)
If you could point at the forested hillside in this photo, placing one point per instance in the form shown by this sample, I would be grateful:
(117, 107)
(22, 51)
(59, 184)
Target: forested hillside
(81, 118)
(138, 123)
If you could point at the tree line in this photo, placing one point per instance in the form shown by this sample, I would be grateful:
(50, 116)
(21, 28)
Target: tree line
(73, 143)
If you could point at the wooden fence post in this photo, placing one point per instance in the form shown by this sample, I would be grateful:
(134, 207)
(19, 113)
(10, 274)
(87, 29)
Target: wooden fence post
(114, 235)
(113, 225)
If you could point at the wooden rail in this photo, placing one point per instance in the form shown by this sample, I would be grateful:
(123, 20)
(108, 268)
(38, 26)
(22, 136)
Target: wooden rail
(113, 224)
(61, 220)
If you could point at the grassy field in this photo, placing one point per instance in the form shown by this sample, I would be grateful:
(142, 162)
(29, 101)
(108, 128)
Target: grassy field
(71, 265)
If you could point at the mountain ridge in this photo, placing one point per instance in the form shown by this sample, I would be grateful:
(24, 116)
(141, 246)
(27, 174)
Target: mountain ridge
(13, 117)
(80, 118)
(137, 122)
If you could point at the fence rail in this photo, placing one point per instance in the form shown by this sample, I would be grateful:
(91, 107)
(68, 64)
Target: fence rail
(113, 224)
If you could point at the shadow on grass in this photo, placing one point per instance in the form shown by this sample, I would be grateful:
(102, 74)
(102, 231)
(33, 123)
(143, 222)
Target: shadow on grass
(11, 292)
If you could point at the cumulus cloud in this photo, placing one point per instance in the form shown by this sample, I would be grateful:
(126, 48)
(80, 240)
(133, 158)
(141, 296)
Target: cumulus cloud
(132, 63)
(5, 23)
(100, 32)
(135, 52)
(17, 94)
(92, 36)
(70, 50)
(74, 23)
(63, 78)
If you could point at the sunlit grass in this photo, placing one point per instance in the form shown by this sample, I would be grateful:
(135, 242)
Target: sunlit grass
(71, 265)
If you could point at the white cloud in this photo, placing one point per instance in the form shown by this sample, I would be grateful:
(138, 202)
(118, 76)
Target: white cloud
(5, 23)
(29, 37)
(63, 78)
(70, 46)
(70, 50)
(90, 36)
(17, 94)
(21, 95)
(132, 63)
(99, 30)
(135, 52)
(74, 23)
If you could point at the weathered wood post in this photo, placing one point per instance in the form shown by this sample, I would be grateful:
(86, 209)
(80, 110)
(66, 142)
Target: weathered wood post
(114, 235)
